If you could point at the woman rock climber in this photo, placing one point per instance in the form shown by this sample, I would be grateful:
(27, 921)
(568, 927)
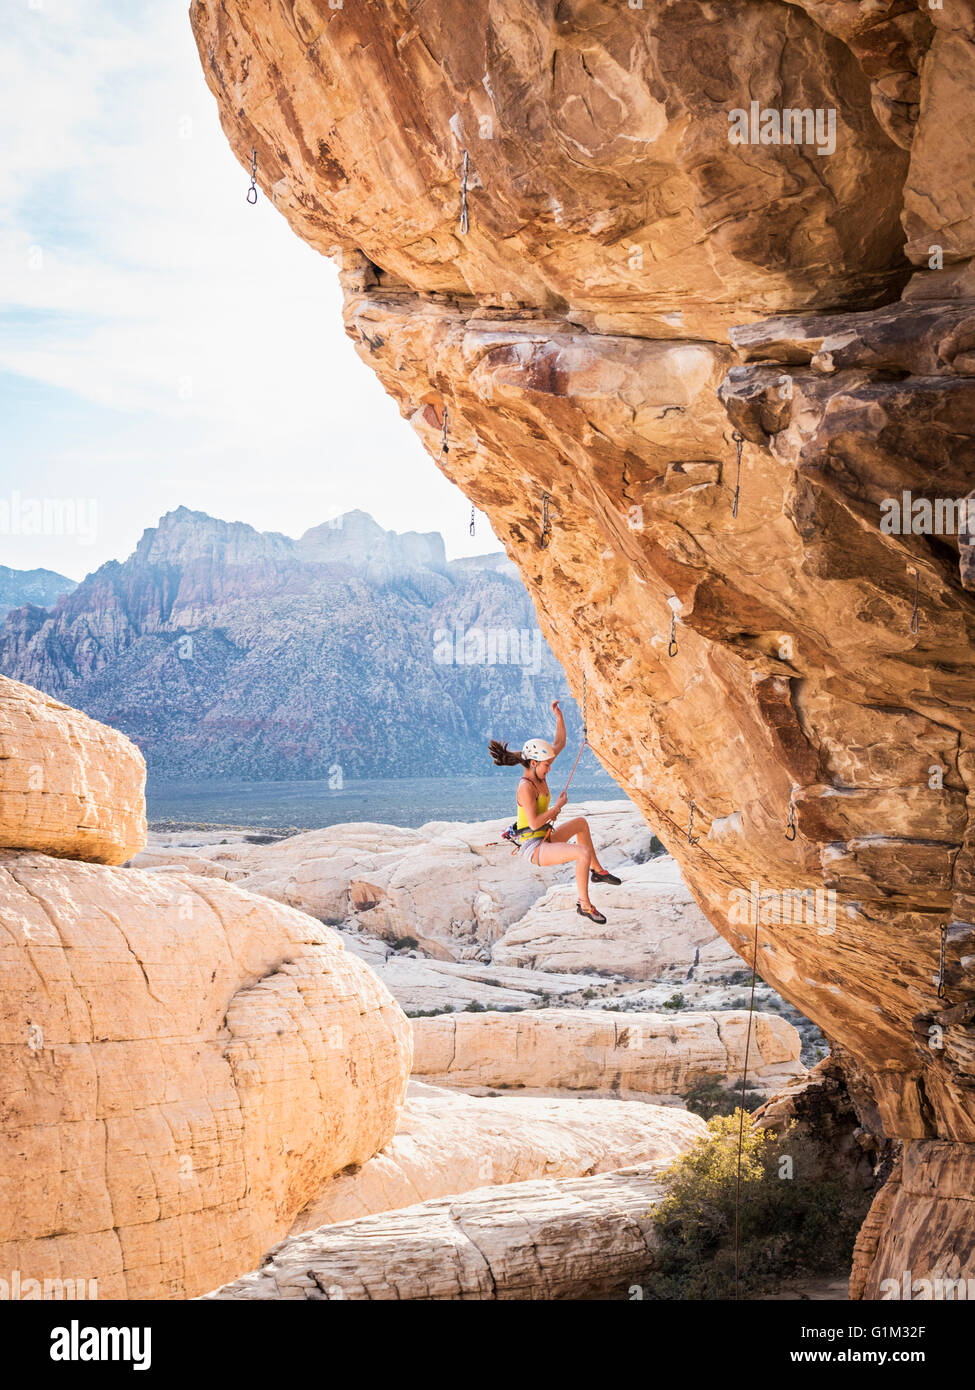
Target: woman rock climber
(535, 832)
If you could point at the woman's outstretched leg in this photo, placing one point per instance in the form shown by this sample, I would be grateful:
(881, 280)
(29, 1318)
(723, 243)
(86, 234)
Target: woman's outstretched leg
(579, 827)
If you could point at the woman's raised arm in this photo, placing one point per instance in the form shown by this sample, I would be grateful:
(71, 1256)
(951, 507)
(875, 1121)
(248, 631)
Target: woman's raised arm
(558, 743)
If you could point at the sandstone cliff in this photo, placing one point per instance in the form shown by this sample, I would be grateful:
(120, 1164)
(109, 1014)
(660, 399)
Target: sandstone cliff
(68, 786)
(545, 231)
(447, 1143)
(186, 1067)
(637, 1056)
(570, 1239)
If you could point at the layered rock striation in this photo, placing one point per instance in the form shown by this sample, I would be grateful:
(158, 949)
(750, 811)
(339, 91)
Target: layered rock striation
(574, 1238)
(713, 367)
(68, 785)
(636, 1056)
(447, 1143)
(187, 1066)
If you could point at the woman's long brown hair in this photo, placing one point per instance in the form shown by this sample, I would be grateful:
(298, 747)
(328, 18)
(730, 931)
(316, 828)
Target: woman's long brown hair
(504, 757)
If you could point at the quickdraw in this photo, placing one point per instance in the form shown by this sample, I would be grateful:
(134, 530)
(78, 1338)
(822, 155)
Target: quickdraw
(546, 535)
(790, 833)
(739, 439)
(252, 191)
(465, 221)
(915, 617)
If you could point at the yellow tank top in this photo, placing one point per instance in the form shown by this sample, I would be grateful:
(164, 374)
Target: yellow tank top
(541, 804)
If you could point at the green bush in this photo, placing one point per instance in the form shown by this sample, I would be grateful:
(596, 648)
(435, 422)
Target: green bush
(710, 1098)
(789, 1227)
(406, 943)
(676, 1001)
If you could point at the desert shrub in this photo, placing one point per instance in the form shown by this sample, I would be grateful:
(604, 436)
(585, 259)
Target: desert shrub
(709, 1098)
(676, 1001)
(475, 1007)
(406, 943)
(790, 1227)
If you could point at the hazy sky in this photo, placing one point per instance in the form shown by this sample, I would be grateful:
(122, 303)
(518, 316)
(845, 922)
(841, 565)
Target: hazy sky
(163, 342)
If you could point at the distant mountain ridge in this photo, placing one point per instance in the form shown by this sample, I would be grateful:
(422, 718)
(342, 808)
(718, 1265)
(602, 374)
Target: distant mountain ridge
(43, 587)
(352, 651)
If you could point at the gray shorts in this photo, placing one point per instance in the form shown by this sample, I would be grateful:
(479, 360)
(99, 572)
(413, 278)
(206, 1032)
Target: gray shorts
(529, 847)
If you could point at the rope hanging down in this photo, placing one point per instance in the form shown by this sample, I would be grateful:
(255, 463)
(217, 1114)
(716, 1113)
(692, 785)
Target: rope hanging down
(741, 1104)
(790, 833)
(662, 815)
(465, 221)
(672, 644)
(585, 730)
(444, 446)
(471, 527)
(739, 439)
(252, 191)
(941, 961)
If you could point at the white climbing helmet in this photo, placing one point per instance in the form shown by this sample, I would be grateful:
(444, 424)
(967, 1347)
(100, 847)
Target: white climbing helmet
(536, 750)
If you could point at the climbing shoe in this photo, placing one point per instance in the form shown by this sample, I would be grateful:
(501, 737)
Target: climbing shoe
(604, 878)
(592, 914)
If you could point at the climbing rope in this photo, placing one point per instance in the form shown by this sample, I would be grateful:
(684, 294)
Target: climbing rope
(471, 527)
(941, 963)
(741, 1105)
(546, 535)
(672, 644)
(915, 619)
(662, 815)
(444, 446)
(739, 439)
(252, 191)
(465, 220)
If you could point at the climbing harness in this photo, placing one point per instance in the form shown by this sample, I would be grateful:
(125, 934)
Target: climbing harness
(252, 191)
(444, 446)
(471, 527)
(915, 620)
(465, 220)
(691, 838)
(546, 536)
(672, 644)
(790, 833)
(941, 963)
(739, 439)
